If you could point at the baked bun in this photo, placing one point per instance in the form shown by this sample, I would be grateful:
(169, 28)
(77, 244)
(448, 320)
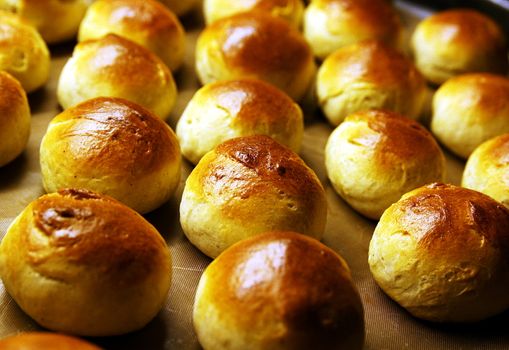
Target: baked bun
(458, 41)
(15, 118)
(24, 54)
(247, 186)
(256, 45)
(369, 75)
(233, 108)
(278, 290)
(146, 22)
(487, 169)
(44, 341)
(291, 10)
(56, 20)
(82, 263)
(332, 24)
(117, 67)
(115, 147)
(180, 7)
(374, 157)
(470, 109)
(442, 253)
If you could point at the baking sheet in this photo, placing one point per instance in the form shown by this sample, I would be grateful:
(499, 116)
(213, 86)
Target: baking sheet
(387, 325)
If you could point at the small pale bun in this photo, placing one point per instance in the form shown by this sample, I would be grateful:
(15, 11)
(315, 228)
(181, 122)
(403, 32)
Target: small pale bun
(290, 10)
(146, 22)
(44, 341)
(247, 186)
(369, 75)
(24, 53)
(256, 45)
(15, 118)
(115, 147)
(470, 109)
(280, 291)
(227, 109)
(458, 41)
(442, 253)
(332, 24)
(84, 264)
(117, 67)
(180, 7)
(374, 157)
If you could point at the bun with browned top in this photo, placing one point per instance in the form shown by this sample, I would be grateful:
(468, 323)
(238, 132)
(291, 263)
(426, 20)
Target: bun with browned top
(44, 341)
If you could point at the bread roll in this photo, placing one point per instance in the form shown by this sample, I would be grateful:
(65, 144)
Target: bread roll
(369, 75)
(82, 263)
(233, 108)
(115, 147)
(255, 45)
(470, 109)
(117, 67)
(181, 7)
(44, 341)
(24, 54)
(442, 252)
(247, 186)
(15, 118)
(279, 290)
(458, 41)
(146, 22)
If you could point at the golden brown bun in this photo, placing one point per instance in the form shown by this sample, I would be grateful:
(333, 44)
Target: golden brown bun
(279, 290)
(458, 41)
(15, 118)
(24, 54)
(117, 67)
(374, 157)
(332, 24)
(44, 341)
(247, 186)
(115, 147)
(180, 7)
(82, 263)
(226, 109)
(255, 45)
(470, 109)
(441, 252)
(369, 75)
(146, 22)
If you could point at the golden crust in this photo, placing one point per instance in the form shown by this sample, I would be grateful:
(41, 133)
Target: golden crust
(12, 97)
(40, 340)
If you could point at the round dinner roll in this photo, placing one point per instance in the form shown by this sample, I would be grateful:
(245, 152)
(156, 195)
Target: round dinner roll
(470, 109)
(442, 252)
(375, 156)
(332, 24)
(146, 22)
(369, 75)
(256, 45)
(115, 147)
(458, 41)
(227, 109)
(23, 52)
(15, 118)
(180, 7)
(82, 263)
(247, 186)
(279, 291)
(117, 67)
(44, 341)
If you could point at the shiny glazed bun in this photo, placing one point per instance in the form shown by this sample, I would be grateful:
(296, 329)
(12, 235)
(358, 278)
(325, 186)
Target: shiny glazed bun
(146, 22)
(117, 67)
(332, 24)
(44, 341)
(115, 147)
(280, 291)
(458, 41)
(24, 54)
(369, 75)
(247, 186)
(82, 263)
(255, 45)
(226, 109)
(15, 118)
(442, 252)
(470, 109)
(180, 7)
